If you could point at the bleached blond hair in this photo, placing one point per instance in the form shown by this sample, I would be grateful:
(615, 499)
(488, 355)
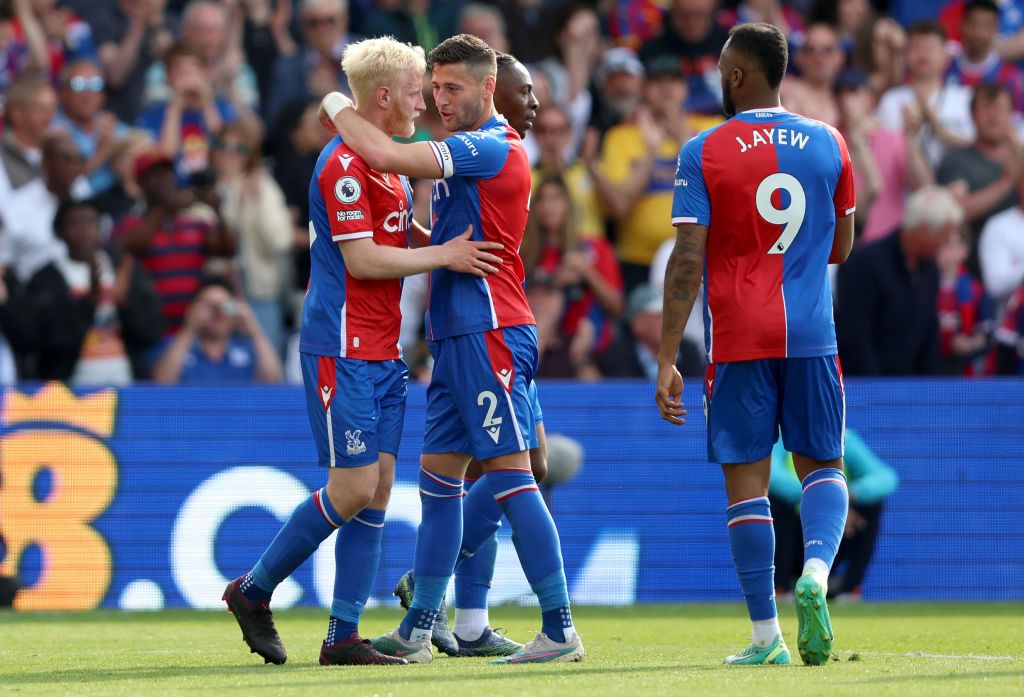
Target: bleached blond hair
(373, 63)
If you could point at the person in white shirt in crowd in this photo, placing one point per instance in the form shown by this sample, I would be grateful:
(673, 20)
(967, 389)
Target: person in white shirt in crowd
(28, 242)
(1001, 252)
(253, 205)
(942, 110)
(28, 112)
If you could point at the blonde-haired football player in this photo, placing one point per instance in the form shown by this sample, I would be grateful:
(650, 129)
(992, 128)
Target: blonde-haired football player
(354, 377)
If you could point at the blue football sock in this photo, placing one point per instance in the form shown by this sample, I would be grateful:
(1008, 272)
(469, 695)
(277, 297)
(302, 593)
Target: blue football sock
(437, 547)
(823, 514)
(309, 525)
(356, 557)
(752, 539)
(536, 541)
(474, 571)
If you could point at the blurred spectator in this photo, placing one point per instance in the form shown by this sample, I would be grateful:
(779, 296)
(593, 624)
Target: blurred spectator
(620, 84)
(819, 60)
(1011, 25)
(124, 194)
(883, 55)
(578, 41)
(585, 270)
(205, 30)
(632, 23)
(1001, 250)
(69, 38)
(130, 35)
(529, 26)
(694, 38)
(265, 38)
(560, 356)
(485, 22)
(869, 482)
(220, 342)
(976, 60)
(887, 165)
(985, 173)
(254, 208)
(83, 317)
(552, 131)
(941, 111)
(314, 70)
(29, 112)
(851, 19)
(965, 314)
(172, 238)
(94, 130)
(27, 214)
(638, 166)
(23, 44)
(419, 22)
(295, 143)
(634, 351)
(886, 319)
(1009, 338)
(771, 11)
(184, 124)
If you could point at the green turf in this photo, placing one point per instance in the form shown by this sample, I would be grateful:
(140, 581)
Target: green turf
(905, 650)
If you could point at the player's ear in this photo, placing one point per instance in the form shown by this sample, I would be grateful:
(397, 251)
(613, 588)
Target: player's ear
(490, 82)
(383, 96)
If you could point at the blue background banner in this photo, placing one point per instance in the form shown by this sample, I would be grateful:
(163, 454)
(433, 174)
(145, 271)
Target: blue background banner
(150, 496)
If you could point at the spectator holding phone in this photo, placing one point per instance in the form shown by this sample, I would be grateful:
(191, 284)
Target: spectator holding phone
(220, 342)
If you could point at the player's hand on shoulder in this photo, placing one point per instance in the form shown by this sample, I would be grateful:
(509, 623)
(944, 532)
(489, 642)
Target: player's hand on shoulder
(469, 256)
(669, 394)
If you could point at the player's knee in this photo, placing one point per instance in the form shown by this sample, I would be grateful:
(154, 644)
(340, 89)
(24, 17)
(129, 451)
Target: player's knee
(350, 495)
(382, 494)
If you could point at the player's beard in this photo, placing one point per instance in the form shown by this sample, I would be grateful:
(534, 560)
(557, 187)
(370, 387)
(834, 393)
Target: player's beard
(402, 123)
(728, 106)
(466, 118)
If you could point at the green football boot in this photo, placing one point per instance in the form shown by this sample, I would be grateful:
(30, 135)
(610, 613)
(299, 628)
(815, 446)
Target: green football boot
(814, 637)
(774, 655)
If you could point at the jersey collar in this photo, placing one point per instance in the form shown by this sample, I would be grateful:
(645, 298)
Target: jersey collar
(774, 110)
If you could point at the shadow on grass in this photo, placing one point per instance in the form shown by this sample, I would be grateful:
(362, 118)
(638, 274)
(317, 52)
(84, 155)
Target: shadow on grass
(279, 677)
(917, 677)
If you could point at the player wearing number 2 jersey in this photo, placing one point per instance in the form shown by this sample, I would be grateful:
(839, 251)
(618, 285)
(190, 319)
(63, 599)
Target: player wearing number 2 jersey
(762, 204)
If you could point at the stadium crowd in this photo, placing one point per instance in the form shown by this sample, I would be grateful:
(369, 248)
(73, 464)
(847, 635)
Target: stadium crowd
(156, 156)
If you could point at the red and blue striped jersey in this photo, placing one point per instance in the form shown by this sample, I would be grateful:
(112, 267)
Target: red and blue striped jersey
(486, 183)
(992, 70)
(769, 185)
(342, 315)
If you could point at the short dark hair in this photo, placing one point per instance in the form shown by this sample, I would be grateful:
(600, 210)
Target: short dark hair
(215, 282)
(766, 44)
(989, 92)
(179, 51)
(66, 207)
(464, 48)
(927, 27)
(505, 61)
(981, 5)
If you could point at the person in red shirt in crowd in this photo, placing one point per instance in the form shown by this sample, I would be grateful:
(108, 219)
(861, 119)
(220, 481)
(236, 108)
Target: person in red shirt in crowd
(174, 237)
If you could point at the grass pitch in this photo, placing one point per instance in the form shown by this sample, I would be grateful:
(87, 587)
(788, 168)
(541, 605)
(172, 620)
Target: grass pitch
(904, 650)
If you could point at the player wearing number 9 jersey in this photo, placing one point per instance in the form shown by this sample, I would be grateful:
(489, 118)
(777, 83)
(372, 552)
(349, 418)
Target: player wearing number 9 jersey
(762, 204)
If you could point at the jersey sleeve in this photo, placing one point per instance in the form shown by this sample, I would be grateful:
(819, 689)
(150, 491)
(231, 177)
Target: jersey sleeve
(845, 197)
(475, 154)
(690, 202)
(346, 194)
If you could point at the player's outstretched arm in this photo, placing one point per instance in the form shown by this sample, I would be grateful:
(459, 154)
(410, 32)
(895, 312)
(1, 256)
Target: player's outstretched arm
(842, 244)
(373, 145)
(682, 282)
(365, 259)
